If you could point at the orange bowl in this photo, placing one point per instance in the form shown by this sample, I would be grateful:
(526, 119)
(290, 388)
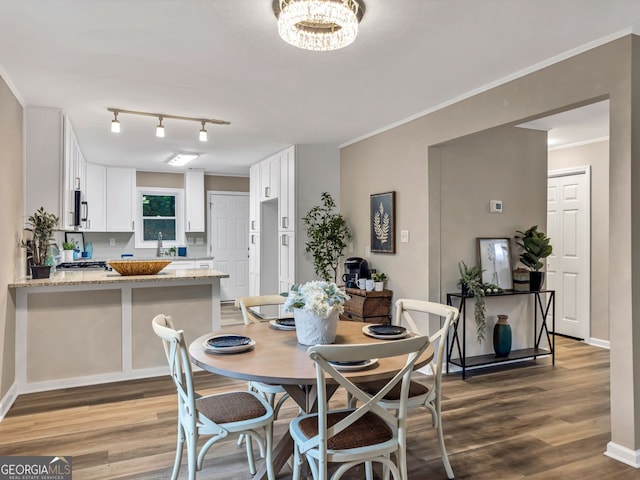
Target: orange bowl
(138, 267)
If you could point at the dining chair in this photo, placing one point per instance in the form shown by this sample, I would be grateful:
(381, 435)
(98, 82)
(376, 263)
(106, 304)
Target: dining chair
(423, 394)
(359, 435)
(216, 415)
(245, 304)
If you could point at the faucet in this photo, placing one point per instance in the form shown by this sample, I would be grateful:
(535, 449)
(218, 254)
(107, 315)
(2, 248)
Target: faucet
(159, 250)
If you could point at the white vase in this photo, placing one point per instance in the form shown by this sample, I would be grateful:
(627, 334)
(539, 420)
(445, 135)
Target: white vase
(312, 329)
(67, 255)
(378, 286)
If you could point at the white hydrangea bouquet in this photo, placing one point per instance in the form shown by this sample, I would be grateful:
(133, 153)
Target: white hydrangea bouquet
(316, 308)
(317, 297)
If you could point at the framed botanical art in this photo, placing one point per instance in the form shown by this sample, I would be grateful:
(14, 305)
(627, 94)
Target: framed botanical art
(494, 257)
(383, 236)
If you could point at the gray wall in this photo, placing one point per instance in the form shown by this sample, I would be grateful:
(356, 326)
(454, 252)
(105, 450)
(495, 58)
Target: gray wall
(11, 256)
(595, 155)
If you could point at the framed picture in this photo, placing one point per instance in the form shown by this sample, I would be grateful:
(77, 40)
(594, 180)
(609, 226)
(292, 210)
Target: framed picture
(77, 238)
(494, 258)
(383, 224)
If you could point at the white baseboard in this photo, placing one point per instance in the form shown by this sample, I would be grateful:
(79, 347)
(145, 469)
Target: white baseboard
(92, 380)
(623, 454)
(8, 400)
(596, 342)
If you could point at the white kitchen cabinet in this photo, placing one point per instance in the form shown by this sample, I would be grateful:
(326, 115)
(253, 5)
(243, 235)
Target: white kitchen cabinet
(287, 192)
(305, 173)
(95, 197)
(287, 261)
(194, 200)
(269, 178)
(254, 264)
(254, 198)
(188, 264)
(74, 177)
(120, 199)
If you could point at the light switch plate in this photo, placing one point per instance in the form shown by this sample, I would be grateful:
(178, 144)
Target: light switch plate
(189, 240)
(495, 206)
(404, 236)
(199, 241)
(112, 242)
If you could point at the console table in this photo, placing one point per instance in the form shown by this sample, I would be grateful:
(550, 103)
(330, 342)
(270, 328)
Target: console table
(545, 303)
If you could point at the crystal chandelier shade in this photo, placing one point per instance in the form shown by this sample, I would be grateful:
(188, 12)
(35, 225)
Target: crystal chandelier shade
(319, 25)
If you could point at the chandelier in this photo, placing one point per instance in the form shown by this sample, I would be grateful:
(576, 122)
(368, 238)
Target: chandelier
(319, 25)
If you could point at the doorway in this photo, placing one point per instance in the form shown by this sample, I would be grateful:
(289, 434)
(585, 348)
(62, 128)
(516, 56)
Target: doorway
(229, 241)
(568, 268)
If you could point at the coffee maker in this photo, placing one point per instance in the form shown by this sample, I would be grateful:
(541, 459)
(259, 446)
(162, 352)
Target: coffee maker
(355, 268)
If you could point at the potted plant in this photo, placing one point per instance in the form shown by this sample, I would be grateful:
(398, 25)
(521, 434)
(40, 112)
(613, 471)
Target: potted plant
(328, 236)
(378, 279)
(536, 246)
(316, 306)
(471, 284)
(41, 225)
(67, 251)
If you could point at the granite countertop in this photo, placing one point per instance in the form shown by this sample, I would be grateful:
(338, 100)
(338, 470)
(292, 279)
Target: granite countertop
(103, 277)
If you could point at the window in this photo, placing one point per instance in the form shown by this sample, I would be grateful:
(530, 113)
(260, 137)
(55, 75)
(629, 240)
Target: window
(159, 211)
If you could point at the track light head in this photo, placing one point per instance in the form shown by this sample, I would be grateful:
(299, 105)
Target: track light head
(203, 134)
(160, 129)
(115, 123)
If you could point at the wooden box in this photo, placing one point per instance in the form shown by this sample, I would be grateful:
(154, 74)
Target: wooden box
(372, 307)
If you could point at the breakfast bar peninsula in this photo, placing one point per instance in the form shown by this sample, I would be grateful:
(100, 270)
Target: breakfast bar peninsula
(94, 326)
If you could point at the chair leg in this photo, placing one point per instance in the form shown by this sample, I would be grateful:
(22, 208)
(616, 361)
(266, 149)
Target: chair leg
(271, 474)
(368, 469)
(250, 459)
(179, 448)
(191, 455)
(443, 450)
(296, 463)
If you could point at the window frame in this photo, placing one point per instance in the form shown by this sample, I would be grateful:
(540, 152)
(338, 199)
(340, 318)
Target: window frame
(180, 216)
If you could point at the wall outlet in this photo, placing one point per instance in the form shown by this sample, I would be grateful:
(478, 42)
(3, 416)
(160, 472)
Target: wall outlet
(199, 241)
(367, 252)
(189, 240)
(404, 236)
(112, 242)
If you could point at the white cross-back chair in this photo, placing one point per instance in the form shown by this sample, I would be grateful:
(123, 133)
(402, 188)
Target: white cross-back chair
(424, 394)
(368, 433)
(245, 304)
(215, 415)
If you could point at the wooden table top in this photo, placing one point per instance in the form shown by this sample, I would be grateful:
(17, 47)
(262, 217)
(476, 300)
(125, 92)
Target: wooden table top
(278, 358)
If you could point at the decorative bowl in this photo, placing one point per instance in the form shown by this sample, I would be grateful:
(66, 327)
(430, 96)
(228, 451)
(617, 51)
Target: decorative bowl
(138, 267)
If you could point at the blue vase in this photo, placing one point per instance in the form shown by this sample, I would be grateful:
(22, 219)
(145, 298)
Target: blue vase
(502, 337)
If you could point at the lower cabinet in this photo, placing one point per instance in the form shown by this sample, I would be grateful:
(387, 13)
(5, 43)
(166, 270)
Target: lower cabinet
(371, 307)
(189, 264)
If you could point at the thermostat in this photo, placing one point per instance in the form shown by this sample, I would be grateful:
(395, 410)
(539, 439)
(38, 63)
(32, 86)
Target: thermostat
(495, 206)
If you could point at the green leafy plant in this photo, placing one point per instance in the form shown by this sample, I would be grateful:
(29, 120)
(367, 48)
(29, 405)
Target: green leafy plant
(378, 277)
(328, 235)
(536, 246)
(41, 225)
(471, 283)
(68, 246)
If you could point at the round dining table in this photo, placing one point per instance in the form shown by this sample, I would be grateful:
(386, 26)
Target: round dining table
(278, 358)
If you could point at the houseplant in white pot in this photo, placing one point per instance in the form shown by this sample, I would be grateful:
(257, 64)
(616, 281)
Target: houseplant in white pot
(41, 225)
(67, 251)
(378, 279)
(316, 308)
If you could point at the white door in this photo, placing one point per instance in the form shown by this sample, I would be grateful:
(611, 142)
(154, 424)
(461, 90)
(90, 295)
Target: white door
(229, 241)
(568, 226)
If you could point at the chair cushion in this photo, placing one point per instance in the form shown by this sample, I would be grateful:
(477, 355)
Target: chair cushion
(230, 407)
(415, 389)
(368, 430)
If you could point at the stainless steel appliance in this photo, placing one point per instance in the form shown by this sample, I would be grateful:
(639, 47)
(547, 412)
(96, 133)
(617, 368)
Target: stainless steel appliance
(80, 264)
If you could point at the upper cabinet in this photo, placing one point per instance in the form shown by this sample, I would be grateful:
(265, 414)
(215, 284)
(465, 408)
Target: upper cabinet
(120, 199)
(269, 178)
(287, 199)
(110, 197)
(194, 200)
(254, 198)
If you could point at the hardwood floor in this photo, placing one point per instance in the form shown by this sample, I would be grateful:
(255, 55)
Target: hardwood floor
(532, 421)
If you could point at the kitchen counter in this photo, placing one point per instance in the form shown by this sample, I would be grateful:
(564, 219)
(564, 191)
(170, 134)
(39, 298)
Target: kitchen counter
(103, 277)
(90, 326)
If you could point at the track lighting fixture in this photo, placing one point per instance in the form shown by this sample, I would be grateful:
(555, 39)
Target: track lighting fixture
(115, 124)
(160, 129)
(203, 134)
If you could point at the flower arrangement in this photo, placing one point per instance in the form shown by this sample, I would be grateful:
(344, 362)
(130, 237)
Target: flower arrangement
(317, 297)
